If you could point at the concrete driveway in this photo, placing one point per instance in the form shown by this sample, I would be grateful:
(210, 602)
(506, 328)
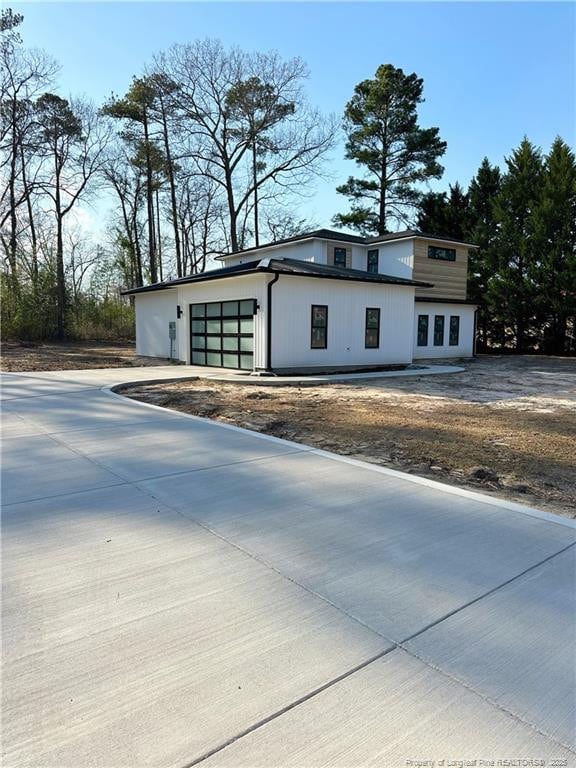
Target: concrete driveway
(180, 592)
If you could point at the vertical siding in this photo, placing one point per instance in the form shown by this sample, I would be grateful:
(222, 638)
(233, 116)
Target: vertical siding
(359, 258)
(154, 311)
(347, 302)
(396, 258)
(227, 289)
(308, 250)
(465, 346)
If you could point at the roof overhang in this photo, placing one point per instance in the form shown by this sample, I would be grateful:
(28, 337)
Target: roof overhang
(289, 268)
(437, 300)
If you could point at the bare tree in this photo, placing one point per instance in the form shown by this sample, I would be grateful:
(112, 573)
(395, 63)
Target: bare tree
(23, 75)
(126, 181)
(247, 124)
(200, 212)
(73, 137)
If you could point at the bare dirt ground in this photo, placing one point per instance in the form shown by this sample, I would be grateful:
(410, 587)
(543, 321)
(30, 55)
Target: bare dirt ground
(506, 426)
(30, 356)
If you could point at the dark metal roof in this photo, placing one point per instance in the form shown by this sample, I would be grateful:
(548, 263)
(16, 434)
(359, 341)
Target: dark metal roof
(437, 300)
(408, 233)
(212, 274)
(293, 267)
(310, 269)
(318, 234)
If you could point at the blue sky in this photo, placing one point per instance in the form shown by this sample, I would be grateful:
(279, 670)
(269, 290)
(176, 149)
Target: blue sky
(492, 71)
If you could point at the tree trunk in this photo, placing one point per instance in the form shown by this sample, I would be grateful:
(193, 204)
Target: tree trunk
(172, 184)
(255, 183)
(33, 236)
(159, 238)
(383, 184)
(150, 205)
(12, 240)
(232, 212)
(60, 279)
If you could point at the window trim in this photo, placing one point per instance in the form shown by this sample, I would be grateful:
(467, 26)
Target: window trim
(369, 253)
(451, 330)
(324, 327)
(435, 250)
(366, 329)
(443, 324)
(339, 248)
(426, 344)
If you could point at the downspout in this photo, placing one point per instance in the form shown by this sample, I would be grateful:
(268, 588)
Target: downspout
(475, 333)
(269, 324)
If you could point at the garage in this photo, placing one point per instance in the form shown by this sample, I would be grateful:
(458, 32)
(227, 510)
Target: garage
(222, 334)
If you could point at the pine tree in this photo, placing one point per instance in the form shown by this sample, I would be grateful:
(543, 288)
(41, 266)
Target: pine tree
(482, 262)
(555, 238)
(445, 215)
(511, 292)
(384, 139)
(136, 108)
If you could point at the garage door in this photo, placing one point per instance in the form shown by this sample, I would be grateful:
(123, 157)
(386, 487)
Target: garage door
(222, 333)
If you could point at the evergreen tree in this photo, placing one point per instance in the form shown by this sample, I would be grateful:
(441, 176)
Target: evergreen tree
(555, 239)
(442, 215)
(511, 292)
(482, 262)
(384, 139)
(136, 108)
(432, 216)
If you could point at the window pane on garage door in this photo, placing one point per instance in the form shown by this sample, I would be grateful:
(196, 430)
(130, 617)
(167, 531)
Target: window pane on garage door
(222, 333)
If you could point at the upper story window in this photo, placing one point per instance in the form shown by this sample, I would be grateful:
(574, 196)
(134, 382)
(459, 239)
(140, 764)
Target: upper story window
(373, 261)
(441, 254)
(340, 257)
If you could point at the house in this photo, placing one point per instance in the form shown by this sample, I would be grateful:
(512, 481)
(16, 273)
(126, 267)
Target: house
(324, 300)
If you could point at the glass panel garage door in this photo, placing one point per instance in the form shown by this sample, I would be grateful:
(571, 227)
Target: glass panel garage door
(222, 333)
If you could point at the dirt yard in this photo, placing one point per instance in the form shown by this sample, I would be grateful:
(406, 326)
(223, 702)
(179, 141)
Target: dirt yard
(29, 356)
(507, 426)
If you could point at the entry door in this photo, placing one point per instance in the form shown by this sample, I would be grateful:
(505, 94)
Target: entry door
(222, 334)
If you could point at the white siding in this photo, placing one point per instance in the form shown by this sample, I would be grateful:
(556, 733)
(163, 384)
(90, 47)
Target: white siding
(359, 258)
(292, 300)
(396, 258)
(154, 311)
(465, 346)
(308, 250)
(241, 287)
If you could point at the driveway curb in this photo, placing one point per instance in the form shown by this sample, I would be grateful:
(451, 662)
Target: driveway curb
(454, 490)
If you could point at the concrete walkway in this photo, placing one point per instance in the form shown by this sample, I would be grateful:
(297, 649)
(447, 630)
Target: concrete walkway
(178, 592)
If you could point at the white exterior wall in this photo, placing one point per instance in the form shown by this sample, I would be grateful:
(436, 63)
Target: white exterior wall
(227, 289)
(154, 311)
(292, 299)
(359, 258)
(308, 250)
(396, 259)
(465, 312)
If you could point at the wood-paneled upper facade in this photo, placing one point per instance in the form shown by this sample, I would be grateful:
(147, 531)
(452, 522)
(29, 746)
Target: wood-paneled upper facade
(444, 264)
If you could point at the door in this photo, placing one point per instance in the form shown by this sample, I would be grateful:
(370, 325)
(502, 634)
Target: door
(222, 334)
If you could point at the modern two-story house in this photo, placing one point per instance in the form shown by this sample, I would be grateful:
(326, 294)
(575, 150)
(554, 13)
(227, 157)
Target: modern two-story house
(321, 301)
